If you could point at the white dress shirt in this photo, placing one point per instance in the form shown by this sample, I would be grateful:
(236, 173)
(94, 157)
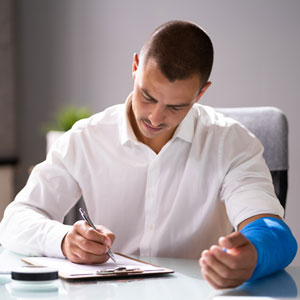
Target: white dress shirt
(206, 180)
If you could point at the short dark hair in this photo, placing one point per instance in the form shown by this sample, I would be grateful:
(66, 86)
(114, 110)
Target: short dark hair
(181, 49)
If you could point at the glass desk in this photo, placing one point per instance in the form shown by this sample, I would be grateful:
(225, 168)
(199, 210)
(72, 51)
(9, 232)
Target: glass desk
(186, 283)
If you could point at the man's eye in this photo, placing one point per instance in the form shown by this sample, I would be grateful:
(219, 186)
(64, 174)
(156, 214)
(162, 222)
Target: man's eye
(147, 98)
(174, 108)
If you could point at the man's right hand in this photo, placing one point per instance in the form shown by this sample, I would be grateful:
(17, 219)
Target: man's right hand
(85, 245)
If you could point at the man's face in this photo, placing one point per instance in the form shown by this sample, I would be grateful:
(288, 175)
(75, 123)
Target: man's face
(158, 105)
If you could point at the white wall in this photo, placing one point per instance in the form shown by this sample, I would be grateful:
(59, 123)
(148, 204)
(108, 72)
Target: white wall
(80, 52)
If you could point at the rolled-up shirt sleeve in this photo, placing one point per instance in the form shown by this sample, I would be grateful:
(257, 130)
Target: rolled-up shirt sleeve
(247, 188)
(34, 218)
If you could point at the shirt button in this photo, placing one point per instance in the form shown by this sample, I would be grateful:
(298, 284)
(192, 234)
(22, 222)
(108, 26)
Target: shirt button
(150, 226)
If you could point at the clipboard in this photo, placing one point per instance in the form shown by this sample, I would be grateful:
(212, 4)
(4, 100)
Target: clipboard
(126, 266)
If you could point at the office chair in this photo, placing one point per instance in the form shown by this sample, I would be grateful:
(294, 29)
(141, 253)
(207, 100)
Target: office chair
(270, 126)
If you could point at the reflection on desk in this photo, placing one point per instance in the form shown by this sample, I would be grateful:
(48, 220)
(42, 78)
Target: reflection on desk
(280, 285)
(185, 283)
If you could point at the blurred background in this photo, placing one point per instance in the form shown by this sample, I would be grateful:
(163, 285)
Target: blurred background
(74, 52)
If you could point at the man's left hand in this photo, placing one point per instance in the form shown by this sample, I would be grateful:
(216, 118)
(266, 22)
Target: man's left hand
(231, 267)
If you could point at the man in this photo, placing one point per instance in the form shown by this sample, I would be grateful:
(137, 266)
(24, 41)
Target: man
(167, 176)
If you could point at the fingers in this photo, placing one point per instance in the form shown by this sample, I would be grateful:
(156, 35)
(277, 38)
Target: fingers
(83, 244)
(84, 252)
(235, 239)
(220, 276)
(230, 268)
(107, 233)
(224, 263)
(99, 236)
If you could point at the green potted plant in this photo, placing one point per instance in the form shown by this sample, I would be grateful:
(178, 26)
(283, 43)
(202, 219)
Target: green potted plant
(63, 121)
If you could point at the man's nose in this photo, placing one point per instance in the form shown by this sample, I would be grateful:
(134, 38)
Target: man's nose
(157, 116)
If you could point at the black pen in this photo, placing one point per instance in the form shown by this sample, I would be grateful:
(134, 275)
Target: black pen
(86, 217)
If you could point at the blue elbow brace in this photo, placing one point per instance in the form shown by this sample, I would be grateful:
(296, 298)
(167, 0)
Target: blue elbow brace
(274, 242)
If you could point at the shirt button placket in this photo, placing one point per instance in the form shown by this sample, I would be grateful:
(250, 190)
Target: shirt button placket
(150, 208)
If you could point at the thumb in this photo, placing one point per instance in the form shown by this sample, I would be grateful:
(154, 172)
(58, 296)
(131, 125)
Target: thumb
(108, 234)
(233, 240)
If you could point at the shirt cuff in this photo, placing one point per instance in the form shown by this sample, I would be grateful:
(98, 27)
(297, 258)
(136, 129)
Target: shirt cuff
(54, 239)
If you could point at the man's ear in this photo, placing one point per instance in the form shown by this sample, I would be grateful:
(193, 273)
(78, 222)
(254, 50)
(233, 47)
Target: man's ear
(203, 90)
(135, 64)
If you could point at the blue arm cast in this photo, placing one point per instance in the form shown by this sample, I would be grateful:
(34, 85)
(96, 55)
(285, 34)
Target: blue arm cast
(275, 244)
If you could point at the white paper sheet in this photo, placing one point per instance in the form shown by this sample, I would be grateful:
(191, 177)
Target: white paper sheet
(66, 267)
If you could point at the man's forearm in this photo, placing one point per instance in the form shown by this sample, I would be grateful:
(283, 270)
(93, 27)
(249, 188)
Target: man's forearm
(276, 246)
(27, 231)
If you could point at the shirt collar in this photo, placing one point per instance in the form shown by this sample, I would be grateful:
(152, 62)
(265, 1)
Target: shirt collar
(186, 128)
(184, 131)
(126, 130)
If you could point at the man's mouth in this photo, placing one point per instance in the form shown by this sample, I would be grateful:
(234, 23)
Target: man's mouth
(151, 128)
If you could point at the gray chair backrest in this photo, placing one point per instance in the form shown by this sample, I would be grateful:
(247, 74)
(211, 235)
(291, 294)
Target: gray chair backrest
(270, 126)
